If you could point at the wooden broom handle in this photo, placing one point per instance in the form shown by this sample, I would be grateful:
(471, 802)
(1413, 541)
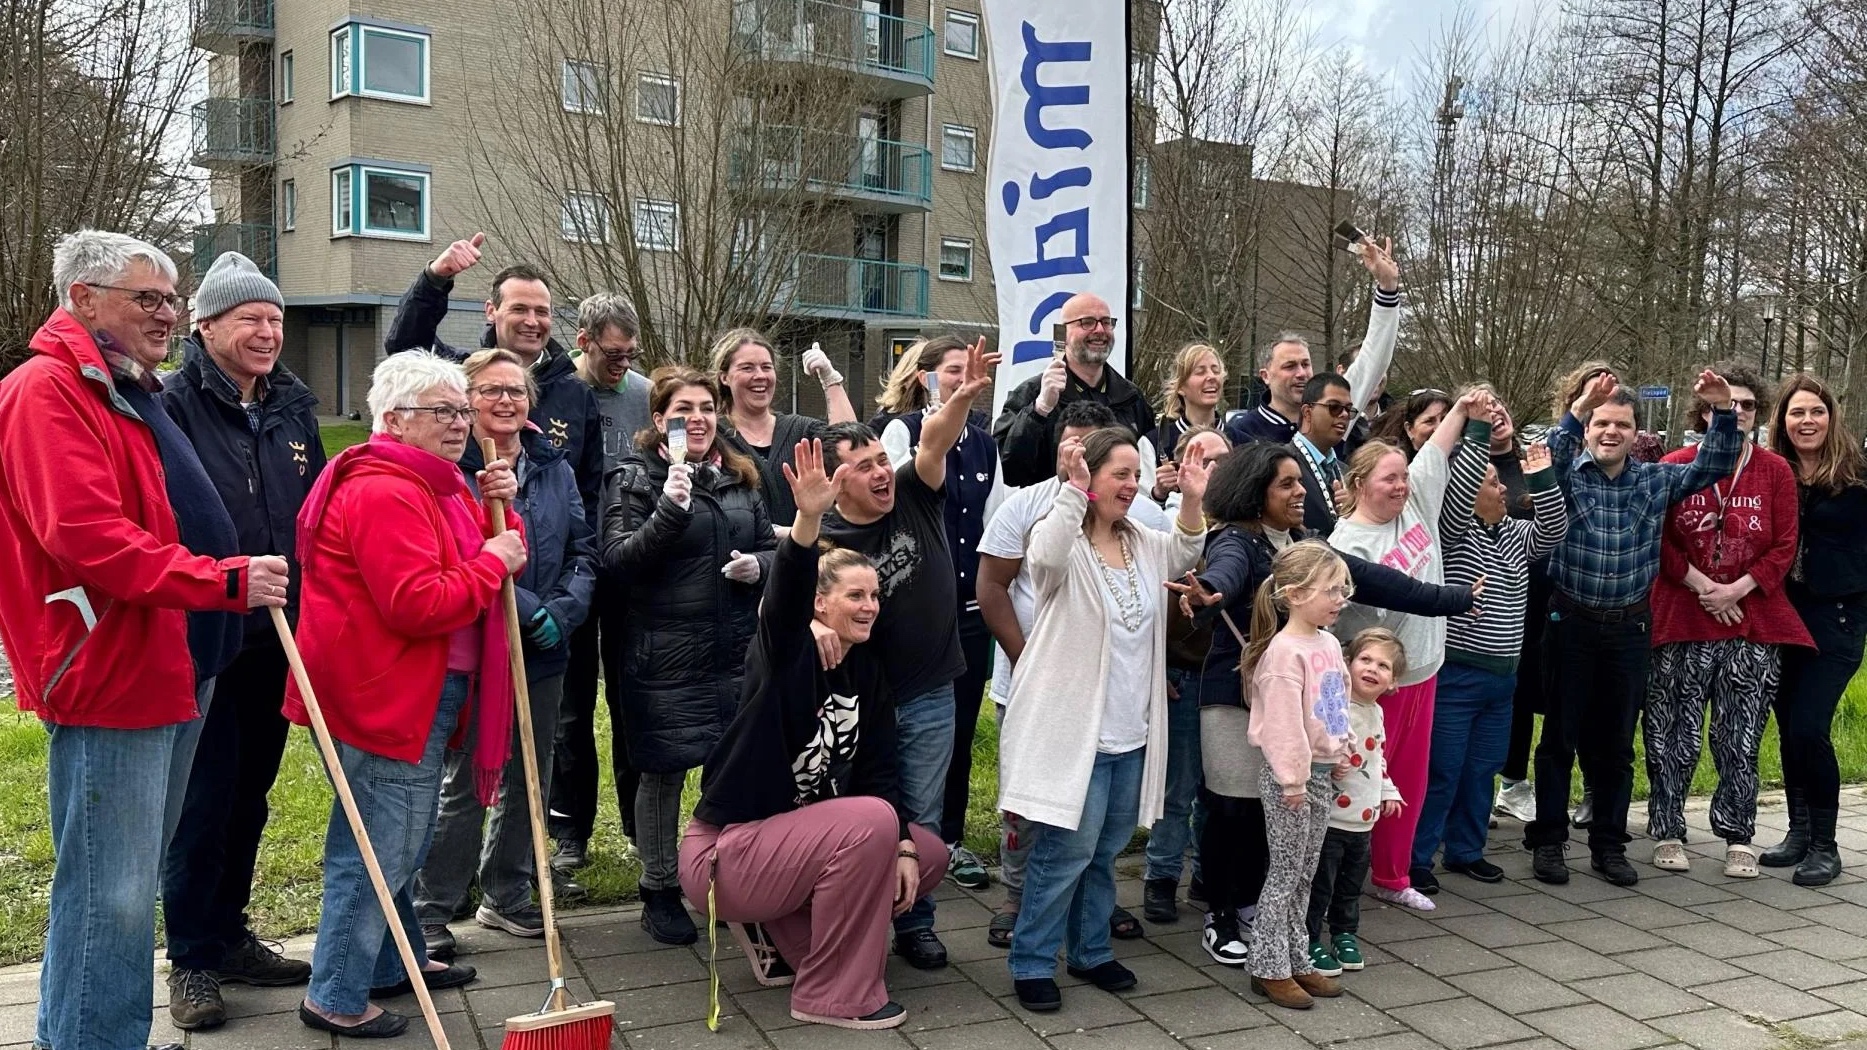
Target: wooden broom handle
(384, 898)
(528, 747)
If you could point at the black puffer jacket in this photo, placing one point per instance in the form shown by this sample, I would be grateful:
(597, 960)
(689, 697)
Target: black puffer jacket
(686, 626)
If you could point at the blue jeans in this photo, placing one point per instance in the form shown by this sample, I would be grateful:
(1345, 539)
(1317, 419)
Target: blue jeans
(1069, 878)
(1183, 816)
(1471, 733)
(116, 795)
(397, 801)
(924, 748)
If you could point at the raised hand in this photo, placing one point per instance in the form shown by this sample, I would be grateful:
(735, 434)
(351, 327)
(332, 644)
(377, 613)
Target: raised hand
(1712, 387)
(813, 490)
(1194, 474)
(980, 366)
(1072, 465)
(1050, 388)
(1063, 458)
(460, 255)
(1596, 393)
(1193, 594)
(1535, 458)
(1379, 259)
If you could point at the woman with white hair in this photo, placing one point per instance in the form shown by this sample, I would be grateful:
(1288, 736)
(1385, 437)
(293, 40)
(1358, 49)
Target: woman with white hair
(399, 581)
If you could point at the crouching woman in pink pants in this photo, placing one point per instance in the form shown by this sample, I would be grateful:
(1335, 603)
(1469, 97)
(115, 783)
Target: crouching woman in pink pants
(799, 834)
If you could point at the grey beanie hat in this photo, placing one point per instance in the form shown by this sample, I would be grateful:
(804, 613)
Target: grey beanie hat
(232, 280)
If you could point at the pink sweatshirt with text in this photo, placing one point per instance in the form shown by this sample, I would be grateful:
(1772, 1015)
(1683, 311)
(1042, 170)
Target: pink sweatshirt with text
(1299, 705)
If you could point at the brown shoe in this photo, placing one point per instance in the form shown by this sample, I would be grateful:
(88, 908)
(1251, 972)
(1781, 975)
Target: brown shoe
(1284, 992)
(1319, 986)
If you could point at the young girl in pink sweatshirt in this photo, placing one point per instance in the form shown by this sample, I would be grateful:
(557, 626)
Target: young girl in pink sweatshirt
(1299, 720)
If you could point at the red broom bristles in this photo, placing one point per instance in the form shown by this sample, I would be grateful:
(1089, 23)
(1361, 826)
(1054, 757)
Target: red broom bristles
(574, 1032)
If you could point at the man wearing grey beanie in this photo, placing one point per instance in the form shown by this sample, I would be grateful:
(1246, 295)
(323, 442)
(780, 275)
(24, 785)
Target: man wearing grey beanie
(254, 426)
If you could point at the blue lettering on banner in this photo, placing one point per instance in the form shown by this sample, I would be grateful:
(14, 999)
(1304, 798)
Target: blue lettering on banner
(1036, 53)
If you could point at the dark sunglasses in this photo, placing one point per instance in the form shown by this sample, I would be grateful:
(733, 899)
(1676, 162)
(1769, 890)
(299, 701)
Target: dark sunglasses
(1334, 408)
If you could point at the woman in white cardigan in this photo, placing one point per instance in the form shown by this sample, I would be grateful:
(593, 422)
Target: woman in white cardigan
(1083, 749)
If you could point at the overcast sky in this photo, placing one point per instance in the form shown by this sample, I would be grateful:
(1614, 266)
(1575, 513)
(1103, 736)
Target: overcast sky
(1392, 34)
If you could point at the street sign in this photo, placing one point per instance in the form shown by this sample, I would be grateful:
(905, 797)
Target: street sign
(1655, 393)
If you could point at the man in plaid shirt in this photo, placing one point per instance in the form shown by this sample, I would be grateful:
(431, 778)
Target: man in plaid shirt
(1597, 643)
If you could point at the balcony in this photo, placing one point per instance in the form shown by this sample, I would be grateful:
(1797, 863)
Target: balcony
(878, 174)
(854, 289)
(255, 241)
(894, 55)
(224, 26)
(233, 133)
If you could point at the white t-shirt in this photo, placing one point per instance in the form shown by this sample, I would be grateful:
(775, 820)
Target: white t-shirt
(1008, 531)
(1131, 668)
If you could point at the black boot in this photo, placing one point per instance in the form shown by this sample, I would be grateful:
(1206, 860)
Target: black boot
(1795, 844)
(1823, 861)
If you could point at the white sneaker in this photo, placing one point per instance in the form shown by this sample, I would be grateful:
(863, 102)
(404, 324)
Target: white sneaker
(1669, 855)
(1517, 801)
(1407, 898)
(1225, 946)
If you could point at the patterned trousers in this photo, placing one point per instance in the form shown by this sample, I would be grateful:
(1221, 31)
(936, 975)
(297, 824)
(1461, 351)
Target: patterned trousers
(1738, 678)
(1280, 934)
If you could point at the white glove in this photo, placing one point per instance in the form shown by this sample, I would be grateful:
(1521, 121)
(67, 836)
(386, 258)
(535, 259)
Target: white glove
(741, 568)
(1051, 389)
(680, 485)
(817, 363)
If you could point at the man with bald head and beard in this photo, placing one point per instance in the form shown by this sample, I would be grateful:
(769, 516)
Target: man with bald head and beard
(1027, 430)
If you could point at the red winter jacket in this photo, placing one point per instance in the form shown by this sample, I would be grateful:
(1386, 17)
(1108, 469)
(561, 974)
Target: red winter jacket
(96, 585)
(1758, 538)
(384, 587)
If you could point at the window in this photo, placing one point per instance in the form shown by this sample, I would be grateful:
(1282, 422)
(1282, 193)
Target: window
(285, 77)
(585, 218)
(657, 225)
(1137, 285)
(658, 99)
(957, 146)
(1141, 71)
(1143, 181)
(962, 34)
(955, 259)
(379, 62)
(380, 199)
(288, 204)
(584, 88)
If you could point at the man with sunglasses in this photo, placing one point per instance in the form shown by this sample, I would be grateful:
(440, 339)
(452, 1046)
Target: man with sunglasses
(1321, 444)
(1027, 431)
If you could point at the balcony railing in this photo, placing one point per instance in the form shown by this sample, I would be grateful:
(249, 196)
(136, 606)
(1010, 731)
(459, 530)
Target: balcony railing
(897, 50)
(256, 241)
(838, 286)
(233, 132)
(224, 25)
(896, 176)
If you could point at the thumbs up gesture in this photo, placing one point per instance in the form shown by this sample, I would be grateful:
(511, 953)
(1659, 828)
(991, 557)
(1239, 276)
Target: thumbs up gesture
(460, 255)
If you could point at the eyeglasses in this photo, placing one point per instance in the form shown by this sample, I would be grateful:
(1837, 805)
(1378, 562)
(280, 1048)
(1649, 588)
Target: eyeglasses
(149, 300)
(443, 414)
(1334, 408)
(1090, 324)
(1341, 591)
(624, 356)
(501, 393)
(1744, 404)
(1434, 391)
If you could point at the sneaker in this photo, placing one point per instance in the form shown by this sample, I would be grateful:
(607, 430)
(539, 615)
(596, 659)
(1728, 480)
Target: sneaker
(964, 868)
(527, 921)
(1223, 941)
(1347, 951)
(891, 1015)
(1584, 813)
(567, 890)
(569, 855)
(1159, 901)
(1038, 994)
(665, 917)
(1670, 855)
(1549, 864)
(440, 941)
(921, 949)
(194, 1000)
(1111, 976)
(1480, 869)
(261, 964)
(1325, 962)
(1423, 880)
(1740, 861)
(1614, 868)
(1407, 898)
(1516, 800)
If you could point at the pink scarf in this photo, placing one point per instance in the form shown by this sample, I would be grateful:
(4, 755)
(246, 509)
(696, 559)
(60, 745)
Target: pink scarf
(493, 699)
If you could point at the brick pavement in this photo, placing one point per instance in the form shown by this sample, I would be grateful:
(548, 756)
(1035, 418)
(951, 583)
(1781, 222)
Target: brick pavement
(1689, 960)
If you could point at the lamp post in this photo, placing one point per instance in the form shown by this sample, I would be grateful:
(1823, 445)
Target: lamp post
(1769, 318)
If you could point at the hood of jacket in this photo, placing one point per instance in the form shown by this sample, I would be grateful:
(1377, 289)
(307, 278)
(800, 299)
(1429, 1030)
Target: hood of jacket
(538, 449)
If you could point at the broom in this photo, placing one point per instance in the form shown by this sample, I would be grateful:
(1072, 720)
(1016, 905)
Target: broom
(384, 898)
(557, 1025)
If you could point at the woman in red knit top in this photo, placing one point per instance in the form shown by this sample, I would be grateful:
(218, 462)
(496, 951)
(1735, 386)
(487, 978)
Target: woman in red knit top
(1720, 618)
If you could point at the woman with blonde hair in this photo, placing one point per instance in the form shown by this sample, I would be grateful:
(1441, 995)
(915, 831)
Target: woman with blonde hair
(745, 365)
(1190, 398)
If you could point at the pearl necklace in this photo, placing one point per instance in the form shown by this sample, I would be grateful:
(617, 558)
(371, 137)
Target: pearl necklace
(1128, 605)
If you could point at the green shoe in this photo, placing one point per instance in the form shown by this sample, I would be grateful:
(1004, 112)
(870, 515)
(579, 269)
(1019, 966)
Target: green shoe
(1324, 962)
(1347, 951)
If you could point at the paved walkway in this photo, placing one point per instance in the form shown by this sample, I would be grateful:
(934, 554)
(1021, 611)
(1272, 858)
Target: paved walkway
(1692, 959)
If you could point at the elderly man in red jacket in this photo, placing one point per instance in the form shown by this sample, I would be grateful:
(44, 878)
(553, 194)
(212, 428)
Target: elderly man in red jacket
(121, 603)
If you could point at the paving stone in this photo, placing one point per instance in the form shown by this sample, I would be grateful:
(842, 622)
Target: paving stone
(1139, 1036)
(252, 1036)
(1446, 955)
(1799, 969)
(659, 1005)
(768, 1008)
(1006, 1034)
(1640, 996)
(1388, 985)
(1681, 967)
(1383, 924)
(1452, 906)
(953, 916)
(1541, 909)
(513, 966)
(1161, 972)
(826, 1037)
(494, 1005)
(1852, 892)
(902, 977)
(1492, 930)
(1842, 1024)
(1205, 1011)
(1830, 943)
(1757, 918)
(1463, 1023)
(19, 987)
(1519, 990)
(645, 969)
(1785, 895)
(1564, 961)
(734, 1034)
(1401, 1041)
(1185, 946)
(949, 1005)
(1593, 1027)
(1848, 918)
(1336, 1020)
(1848, 996)
(971, 946)
(1583, 887)
(1604, 935)
(1644, 912)
(243, 1001)
(1275, 1037)
(1762, 997)
(1718, 1030)
(1713, 939)
(614, 935)
(1083, 1007)
(1539, 1043)
(1681, 892)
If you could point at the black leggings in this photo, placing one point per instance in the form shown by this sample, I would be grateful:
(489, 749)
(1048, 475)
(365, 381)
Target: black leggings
(1528, 701)
(1811, 688)
(1233, 852)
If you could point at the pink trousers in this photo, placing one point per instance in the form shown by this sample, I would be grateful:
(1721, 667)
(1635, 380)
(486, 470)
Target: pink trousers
(821, 880)
(1407, 717)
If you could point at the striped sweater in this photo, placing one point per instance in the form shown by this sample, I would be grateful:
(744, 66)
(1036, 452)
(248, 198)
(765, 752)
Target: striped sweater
(1490, 637)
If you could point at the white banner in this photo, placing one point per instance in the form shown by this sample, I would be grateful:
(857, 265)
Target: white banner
(1056, 217)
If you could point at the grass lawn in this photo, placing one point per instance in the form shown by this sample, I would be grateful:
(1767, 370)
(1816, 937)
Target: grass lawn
(341, 435)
